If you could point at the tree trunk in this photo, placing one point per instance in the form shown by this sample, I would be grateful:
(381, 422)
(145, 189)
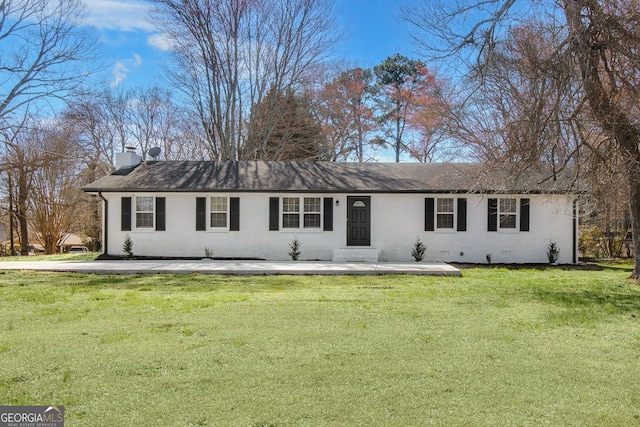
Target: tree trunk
(398, 137)
(634, 207)
(593, 57)
(21, 208)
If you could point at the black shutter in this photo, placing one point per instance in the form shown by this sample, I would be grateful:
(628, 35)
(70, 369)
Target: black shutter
(161, 206)
(429, 214)
(462, 215)
(492, 224)
(234, 212)
(328, 214)
(524, 214)
(125, 214)
(201, 213)
(274, 213)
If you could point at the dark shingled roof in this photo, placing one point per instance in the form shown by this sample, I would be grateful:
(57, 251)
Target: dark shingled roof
(319, 177)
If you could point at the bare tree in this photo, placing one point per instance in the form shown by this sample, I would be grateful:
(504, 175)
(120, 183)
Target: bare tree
(524, 109)
(43, 60)
(19, 165)
(42, 48)
(42, 170)
(604, 37)
(55, 195)
(229, 53)
(109, 121)
(105, 123)
(152, 120)
(90, 121)
(599, 46)
(344, 106)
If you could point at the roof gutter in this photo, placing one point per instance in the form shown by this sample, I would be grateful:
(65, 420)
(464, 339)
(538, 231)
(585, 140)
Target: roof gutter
(327, 191)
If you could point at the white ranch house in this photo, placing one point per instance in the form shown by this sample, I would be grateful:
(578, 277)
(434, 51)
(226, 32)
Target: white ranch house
(337, 211)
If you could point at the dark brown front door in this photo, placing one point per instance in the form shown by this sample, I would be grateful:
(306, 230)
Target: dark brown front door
(359, 221)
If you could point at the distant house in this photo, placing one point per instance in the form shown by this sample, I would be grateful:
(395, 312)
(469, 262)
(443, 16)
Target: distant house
(336, 211)
(71, 240)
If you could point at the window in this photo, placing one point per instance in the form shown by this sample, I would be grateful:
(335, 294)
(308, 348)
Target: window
(290, 212)
(218, 212)
(147, 212)
(508, 213)
(144, 212)
(444, 214)
(311, 212)
(507, 210)
(223, 213)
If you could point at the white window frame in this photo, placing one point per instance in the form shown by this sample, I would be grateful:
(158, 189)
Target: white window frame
(311, 213)
(152, 212)
(302, 213)
(515, 213)
(211, 212)
(453, 213)
(290, 210)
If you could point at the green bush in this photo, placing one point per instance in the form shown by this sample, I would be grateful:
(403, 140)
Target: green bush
(418, 250)
(295, 252)
(127, 246)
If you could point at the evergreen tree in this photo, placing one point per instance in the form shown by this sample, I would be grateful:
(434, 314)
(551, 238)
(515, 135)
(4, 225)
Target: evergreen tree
(283, 128)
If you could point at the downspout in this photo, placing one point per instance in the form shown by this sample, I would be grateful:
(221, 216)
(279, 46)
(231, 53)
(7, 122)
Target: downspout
(105, 222)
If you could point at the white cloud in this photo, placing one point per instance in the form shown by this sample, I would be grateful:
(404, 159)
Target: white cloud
(122, 67)
(122, 15)
(160, 41)
(119, 73)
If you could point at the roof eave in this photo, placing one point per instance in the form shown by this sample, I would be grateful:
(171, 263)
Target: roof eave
(325, 191)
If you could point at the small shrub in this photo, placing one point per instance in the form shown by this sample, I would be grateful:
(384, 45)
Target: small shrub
(208, 253)
(553, 253)
(418, 250)
(294, 253)
(488, 258)
(127, 247)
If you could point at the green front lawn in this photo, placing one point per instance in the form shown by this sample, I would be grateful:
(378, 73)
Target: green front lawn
(495, 347)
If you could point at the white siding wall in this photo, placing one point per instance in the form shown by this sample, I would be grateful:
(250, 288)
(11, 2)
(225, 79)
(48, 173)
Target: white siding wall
(551, 219)
(396, 222)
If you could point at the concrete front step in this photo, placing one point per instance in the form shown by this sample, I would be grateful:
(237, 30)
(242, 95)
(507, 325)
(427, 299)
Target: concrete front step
(356, 255)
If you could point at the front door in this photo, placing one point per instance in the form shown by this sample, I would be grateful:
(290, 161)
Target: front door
(359, 221)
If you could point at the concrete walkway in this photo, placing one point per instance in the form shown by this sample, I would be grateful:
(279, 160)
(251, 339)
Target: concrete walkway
(234, 267)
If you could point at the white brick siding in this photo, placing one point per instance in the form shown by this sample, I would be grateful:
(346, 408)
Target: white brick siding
(396, 221)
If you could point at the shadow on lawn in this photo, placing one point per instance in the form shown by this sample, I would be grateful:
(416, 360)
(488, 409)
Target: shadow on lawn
(609, 299)
(624, 298)
(565, 267)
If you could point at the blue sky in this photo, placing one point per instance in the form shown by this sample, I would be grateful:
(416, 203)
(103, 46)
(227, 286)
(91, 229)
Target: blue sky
(133, 48)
